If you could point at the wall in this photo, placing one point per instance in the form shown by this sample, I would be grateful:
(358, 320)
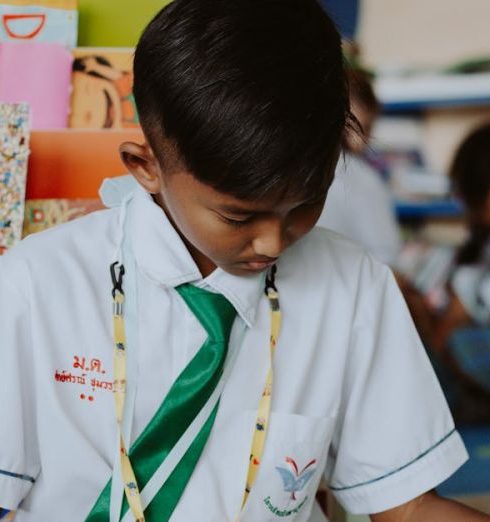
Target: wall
(423, 32)
(116, 23)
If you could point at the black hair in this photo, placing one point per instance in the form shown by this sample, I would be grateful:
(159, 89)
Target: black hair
(470, 177)
(361, 89)
(252, 93)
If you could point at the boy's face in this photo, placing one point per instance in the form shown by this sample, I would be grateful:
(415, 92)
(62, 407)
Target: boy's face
(241, 237)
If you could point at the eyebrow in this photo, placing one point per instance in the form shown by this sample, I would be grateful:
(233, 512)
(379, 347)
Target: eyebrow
(240, 211)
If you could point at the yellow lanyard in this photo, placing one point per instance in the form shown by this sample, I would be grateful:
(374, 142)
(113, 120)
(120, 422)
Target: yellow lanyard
(263, 414)
(131, 488)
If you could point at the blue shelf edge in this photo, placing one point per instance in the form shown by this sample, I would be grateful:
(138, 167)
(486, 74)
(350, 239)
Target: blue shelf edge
(436, 208)
(419, 105)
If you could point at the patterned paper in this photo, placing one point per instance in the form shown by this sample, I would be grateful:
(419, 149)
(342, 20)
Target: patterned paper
(14, 152)
(41, 214)
(39, 74)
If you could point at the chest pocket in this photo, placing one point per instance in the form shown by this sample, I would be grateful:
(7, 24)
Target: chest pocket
(292, 464)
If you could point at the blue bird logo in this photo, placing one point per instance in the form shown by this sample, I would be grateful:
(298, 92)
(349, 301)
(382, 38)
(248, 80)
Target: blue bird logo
(293, 479)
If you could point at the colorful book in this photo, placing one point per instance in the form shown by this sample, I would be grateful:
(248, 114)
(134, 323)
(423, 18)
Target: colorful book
(49, 21)
(41, 214)
(72, 164)
(39, 74)
(102, 96)
(14, 152)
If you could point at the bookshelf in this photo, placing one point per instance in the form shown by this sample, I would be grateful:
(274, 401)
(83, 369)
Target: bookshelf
(418, 92)
(447, 105)
(71, 163)
(446, 208)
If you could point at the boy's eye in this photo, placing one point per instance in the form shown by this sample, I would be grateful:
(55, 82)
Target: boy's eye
(236, 222)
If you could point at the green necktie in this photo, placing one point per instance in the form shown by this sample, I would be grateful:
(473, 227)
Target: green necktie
(187, 396)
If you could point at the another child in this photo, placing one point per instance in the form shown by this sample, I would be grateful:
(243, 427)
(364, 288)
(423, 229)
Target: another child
(470, 282)
(359, 204)
(144, 363)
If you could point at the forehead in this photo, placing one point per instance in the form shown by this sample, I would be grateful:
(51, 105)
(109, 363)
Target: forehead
(251, 193)
(242, 195)
(190, 187)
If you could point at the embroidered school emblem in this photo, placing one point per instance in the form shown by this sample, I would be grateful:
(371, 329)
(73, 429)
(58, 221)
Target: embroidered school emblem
(293, 478)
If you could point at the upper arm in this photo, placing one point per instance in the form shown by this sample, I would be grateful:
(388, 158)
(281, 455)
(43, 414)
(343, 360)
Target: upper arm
(395, 437)
(403, 513)
(431, 507)
(19, 459)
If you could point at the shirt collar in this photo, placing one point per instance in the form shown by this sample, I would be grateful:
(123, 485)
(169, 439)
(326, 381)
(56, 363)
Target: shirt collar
(162, 255)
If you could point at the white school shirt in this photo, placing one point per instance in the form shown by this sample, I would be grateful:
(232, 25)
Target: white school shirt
(353, 389)
(471, 284)
(359, 206)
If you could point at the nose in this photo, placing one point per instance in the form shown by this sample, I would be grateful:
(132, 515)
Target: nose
(270, 241)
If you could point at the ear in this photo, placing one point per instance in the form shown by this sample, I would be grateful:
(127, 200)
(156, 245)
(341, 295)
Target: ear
(142, 164)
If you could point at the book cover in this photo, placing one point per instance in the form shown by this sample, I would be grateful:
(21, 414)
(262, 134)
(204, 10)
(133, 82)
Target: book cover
(14, 152)
(41, 214)
(72, 164)
(39, 74)
(51, 21)
(102, 96)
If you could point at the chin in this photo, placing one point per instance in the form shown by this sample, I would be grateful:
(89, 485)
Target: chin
(242, 270)
(234, 270)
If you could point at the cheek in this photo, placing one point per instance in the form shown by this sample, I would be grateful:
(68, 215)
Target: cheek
(211, 236)
(302, 221)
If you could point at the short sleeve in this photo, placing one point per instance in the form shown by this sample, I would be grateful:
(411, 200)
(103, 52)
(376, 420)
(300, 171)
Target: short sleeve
(19, 461)
(395, 438)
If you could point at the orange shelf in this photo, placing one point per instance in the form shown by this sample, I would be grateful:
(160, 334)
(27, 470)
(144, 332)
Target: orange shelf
(72, 163)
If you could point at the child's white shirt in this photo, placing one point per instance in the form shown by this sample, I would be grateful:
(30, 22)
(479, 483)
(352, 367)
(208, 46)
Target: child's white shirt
(471, 284)
(353, 387)
(359, 206)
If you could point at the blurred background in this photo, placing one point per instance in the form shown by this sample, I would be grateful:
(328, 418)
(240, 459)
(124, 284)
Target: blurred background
(429, 66)
(417, 171)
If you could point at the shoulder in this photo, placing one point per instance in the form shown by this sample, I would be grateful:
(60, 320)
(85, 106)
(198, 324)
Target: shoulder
(322, 248)
(325, 258)
(327, 246)
(91, 228)
(60, 250)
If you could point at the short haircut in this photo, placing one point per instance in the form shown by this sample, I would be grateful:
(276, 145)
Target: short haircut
(361, 90)
(470, 177)
(252, 93)
(470, 168)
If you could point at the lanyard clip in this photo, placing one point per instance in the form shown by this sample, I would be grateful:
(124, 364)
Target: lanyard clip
(270, 280)
(117, 280)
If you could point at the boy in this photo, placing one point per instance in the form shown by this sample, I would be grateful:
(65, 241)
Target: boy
(243, 107)
(359, 204)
